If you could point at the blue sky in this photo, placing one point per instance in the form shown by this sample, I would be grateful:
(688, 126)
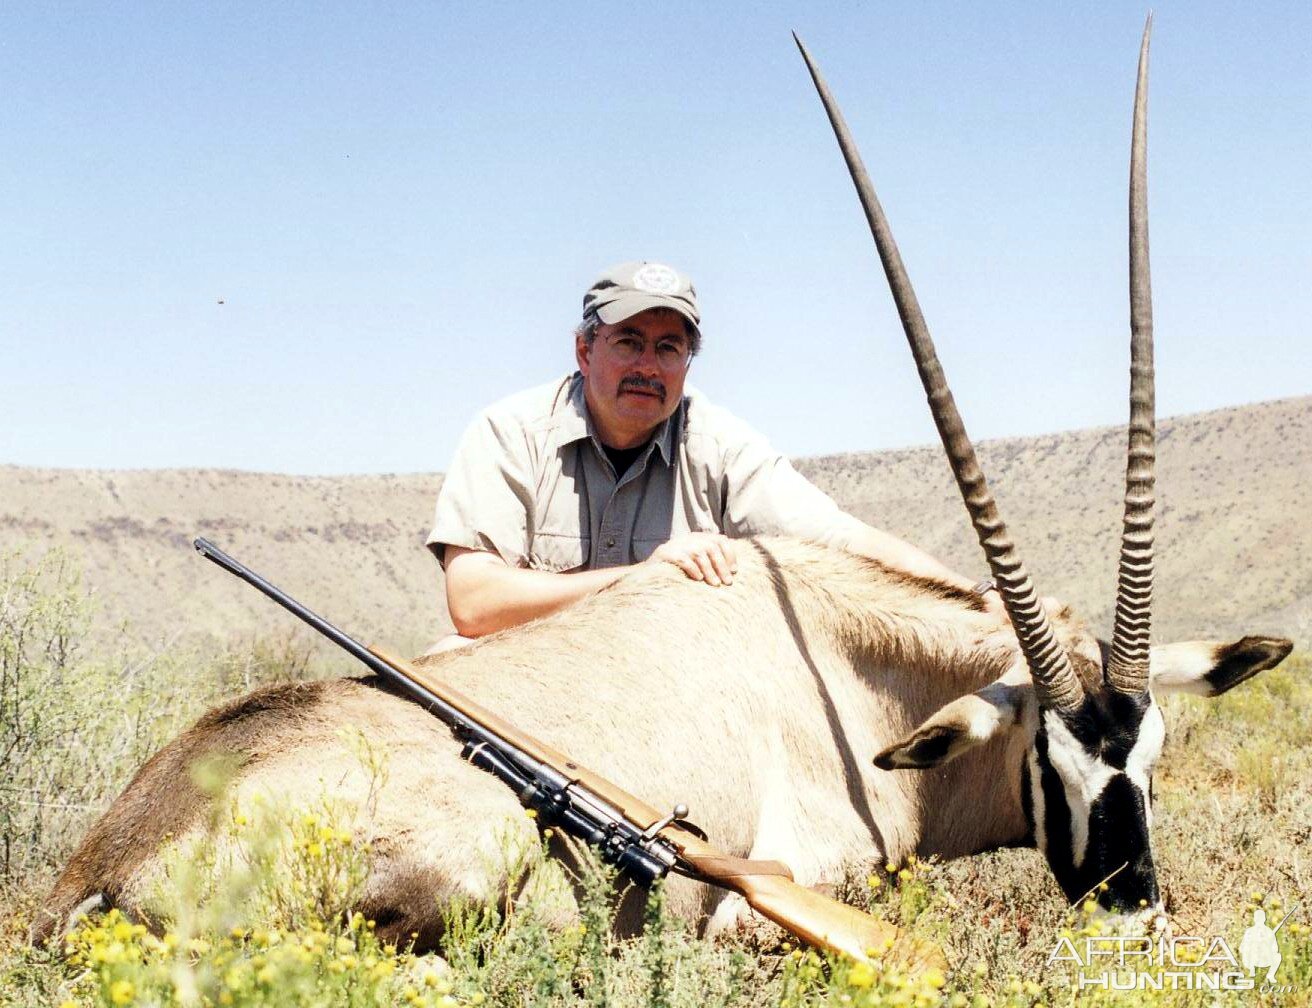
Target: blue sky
(400, 208)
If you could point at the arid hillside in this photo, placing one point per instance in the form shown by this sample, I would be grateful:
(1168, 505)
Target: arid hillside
(1234, 542)
(1234, 539)
(350, 548)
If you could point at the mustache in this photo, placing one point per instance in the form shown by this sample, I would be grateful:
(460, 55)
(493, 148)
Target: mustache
(644, 384)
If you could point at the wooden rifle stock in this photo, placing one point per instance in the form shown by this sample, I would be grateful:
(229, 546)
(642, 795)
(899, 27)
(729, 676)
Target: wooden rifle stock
(767, 886)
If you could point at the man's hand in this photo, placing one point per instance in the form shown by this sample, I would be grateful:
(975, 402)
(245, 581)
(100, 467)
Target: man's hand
(703, 556)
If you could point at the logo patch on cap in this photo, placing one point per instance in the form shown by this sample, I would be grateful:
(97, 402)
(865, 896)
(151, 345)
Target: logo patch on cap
(656, 278)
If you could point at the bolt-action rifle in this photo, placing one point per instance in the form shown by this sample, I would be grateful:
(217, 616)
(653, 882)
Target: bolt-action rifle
(640, 841)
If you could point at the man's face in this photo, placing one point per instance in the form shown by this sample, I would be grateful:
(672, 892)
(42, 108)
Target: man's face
(633, 374)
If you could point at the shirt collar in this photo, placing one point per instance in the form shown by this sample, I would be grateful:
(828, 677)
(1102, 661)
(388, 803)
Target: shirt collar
(575, 423)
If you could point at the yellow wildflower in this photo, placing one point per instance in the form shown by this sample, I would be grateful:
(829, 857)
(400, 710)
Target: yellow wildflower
(933, 977)
(121, 992)
(861, 975)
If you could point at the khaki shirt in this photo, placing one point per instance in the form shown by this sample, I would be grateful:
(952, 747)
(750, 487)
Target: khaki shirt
(531, 482)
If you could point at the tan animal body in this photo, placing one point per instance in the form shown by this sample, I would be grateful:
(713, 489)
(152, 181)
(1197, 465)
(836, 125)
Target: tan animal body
(822, 710)
(761, 706)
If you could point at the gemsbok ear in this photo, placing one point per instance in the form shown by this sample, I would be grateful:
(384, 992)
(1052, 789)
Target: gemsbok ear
(961, 725)
(1209, 668)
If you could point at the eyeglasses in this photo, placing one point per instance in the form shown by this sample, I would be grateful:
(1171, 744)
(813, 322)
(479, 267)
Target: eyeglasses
(670, 354)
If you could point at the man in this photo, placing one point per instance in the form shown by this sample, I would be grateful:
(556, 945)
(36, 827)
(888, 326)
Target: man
(555, 492)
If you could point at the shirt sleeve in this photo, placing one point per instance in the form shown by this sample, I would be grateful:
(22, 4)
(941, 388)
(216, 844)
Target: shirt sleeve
(765, 495)
(485, 501)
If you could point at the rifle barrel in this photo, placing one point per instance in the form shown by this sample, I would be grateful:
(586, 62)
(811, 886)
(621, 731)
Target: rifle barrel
(342, 639)
(435, 704)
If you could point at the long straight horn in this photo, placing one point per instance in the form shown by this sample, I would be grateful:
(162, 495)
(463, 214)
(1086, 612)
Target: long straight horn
(1055, 681)
(1127, 668)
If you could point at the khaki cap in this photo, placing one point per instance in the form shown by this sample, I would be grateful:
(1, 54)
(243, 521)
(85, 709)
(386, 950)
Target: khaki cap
(624, 290)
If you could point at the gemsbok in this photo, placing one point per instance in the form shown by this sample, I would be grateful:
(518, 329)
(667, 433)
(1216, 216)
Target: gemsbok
(823, 710)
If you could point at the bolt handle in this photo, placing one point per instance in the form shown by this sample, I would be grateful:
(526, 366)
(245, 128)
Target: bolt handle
(680, 812)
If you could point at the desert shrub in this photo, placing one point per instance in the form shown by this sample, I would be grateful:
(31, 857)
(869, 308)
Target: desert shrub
(43, 616)
(75, 725)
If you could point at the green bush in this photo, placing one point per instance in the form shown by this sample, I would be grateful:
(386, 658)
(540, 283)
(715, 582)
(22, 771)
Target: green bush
(74, 727)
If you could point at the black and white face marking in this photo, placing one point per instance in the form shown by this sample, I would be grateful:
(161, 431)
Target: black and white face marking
(1089, 778)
